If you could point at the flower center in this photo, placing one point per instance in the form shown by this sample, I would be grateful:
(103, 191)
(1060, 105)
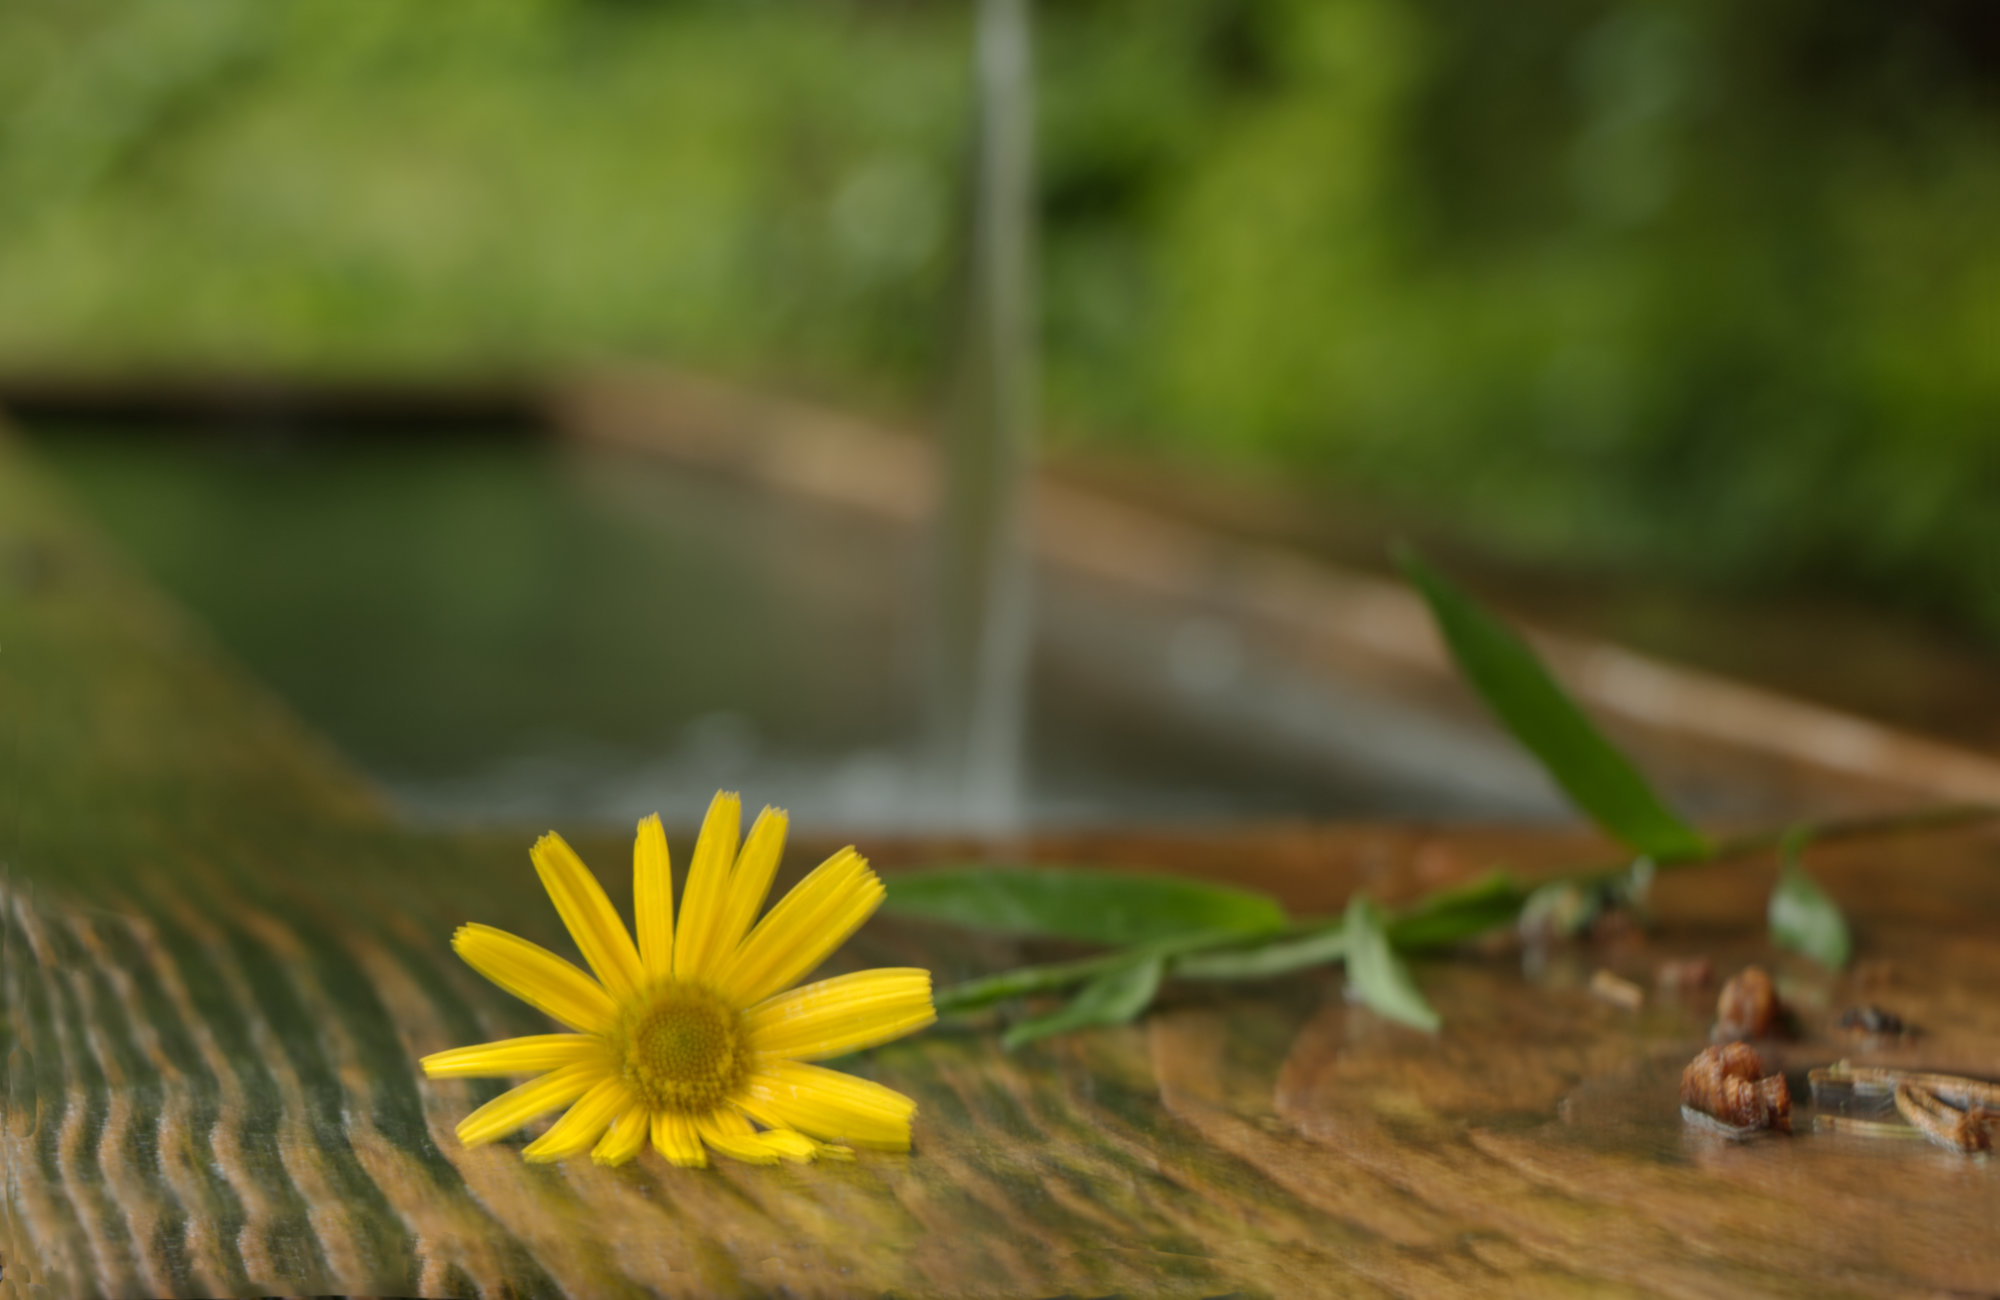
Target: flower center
(683, 1049)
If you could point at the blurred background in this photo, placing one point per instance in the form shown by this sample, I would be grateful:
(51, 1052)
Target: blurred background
(1675, 324)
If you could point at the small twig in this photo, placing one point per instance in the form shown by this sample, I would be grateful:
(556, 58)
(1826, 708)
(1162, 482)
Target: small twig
(1947, 1126)
(1868, 1128)
(1882, 1081)
(1954, 1112)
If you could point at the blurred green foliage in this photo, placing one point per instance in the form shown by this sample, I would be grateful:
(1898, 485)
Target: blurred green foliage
(1698, 287)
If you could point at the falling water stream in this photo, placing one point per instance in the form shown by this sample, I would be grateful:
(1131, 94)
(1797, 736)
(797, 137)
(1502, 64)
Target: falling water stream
(982, 634)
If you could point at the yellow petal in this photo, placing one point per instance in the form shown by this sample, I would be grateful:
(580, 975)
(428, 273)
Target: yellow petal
(841, 1015)
(732, 1135)
(578, 1131)
(795, 1147)
(625, 1138)
(536, 976)
(517, 1106)
(514, 1056)
(674, 1137)
(696, 947)
(750, 882)
(803, 929)
(653, 899)
(826, 1104)
(591, 919)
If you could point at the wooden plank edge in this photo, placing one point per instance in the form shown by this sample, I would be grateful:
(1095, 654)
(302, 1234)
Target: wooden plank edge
(851, 463)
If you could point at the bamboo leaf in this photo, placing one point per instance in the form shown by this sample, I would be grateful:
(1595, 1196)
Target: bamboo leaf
(1266, 960)
(1454, 915)
(1108, 907)
(1115, 998)
(974, 994)
(1376, 977)
(1444, 918)
(1511, 678)
(1803, 917)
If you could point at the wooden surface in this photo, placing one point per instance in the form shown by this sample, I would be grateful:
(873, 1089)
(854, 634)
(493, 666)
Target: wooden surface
(221, 958)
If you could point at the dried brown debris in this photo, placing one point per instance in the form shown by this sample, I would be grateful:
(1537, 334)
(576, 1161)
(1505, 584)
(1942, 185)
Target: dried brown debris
(1955, 1112)
(1615, 989)
(1969, 1130)
(1683, 973)
(1748, 1008)
(1728, 1084)
(1872, 1021)
(1875, 973)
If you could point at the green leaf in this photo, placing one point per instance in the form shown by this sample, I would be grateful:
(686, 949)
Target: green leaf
(984, 991)
(1439, 920)
(1108, 907)
(1462, 912)
(1512, 680)
(1376, 976)
(1114, 998)
(1802, 916)
(1275, 957)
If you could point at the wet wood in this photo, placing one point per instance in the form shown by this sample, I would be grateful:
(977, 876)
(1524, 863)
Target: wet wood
(222, 957)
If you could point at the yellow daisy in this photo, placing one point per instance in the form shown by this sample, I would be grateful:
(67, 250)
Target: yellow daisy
(690, 1037)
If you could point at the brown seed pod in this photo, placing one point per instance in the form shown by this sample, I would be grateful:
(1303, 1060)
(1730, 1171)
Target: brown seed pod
(1728, 1084)
(1748, 1007)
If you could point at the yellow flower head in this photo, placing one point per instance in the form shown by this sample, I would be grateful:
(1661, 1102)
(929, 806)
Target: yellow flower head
(689, 1037)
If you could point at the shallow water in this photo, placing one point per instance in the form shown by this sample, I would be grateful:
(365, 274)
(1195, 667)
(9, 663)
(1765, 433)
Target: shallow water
(513, 630)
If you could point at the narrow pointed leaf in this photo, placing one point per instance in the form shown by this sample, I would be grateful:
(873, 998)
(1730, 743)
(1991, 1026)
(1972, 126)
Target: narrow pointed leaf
(1455, 915)
(984, 991)
(1804, 919)
(1515, 684)
(1265, 960)
(1114, 998)
(1108, 907)
(1448, 917)
(1376, 977)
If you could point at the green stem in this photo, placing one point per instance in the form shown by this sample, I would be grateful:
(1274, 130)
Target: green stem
(1464, 911)
(1315, 945)
(1749, 843)
(974, 994)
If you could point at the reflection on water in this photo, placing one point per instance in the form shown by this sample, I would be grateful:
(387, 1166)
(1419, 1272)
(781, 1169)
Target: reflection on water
(533, 632)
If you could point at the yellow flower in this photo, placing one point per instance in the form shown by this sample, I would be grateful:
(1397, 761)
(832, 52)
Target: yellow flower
(689, 1038)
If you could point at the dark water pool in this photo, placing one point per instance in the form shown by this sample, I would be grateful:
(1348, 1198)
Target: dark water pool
(520, 630)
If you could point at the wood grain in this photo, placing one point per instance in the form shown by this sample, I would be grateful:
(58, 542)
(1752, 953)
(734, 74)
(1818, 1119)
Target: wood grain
(220, 958)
